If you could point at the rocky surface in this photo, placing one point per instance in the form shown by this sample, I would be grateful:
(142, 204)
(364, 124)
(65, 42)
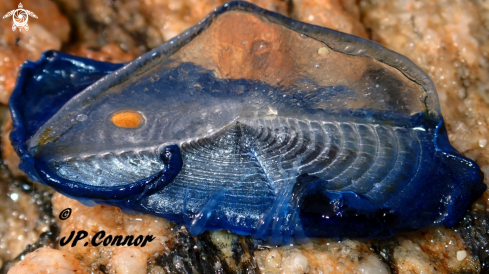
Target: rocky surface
(448, 39)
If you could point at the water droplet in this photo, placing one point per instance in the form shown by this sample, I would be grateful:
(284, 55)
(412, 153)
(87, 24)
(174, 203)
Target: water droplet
(81, 117)
(323, 51)
(349, 49)
(482, 142)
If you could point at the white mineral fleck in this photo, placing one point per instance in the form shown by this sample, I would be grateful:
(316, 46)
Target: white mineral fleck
(372, 264)
(323, 51)
(461, 255)
(482, 142)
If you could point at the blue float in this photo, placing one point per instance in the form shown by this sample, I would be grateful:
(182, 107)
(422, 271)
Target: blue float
(251, 122)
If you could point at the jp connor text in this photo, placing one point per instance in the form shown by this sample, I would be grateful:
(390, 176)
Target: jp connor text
(100, 238)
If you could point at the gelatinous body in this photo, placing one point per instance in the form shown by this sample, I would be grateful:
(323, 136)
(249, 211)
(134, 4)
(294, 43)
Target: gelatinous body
(251, 122)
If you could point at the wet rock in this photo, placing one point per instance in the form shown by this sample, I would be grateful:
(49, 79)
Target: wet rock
(137, 26)
(445, 39)
(475, 232)
(342, 15)
(113, 222)
(46, 260)
(25, 215)
(448, 39)
(321, 256)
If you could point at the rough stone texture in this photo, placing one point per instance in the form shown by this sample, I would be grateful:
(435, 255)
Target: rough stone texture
(342, 15)
(114, 222)
(431, 251)
(24, 215)
(46, 260)
(321, 256)
(137, 26)
(448, 39)
(18, 222)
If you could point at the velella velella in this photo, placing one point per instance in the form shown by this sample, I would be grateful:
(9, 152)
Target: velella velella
(252, 122)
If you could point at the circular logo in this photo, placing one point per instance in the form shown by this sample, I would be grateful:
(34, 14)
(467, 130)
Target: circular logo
(65, 214)
(20, 18)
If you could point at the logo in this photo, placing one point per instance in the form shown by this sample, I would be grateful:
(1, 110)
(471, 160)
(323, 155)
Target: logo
(20, 17)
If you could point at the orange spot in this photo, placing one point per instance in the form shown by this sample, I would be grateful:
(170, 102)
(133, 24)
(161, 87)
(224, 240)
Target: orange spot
(127, 119)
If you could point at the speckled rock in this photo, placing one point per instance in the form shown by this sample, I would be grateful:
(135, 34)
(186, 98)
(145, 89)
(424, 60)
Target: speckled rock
(449, 41)
(322, 256)
(46, 260)
(10, 158)
(432, 251)
(137, 26)
(18, 221)
(342, 15)
(114, 222)
(25, 217)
